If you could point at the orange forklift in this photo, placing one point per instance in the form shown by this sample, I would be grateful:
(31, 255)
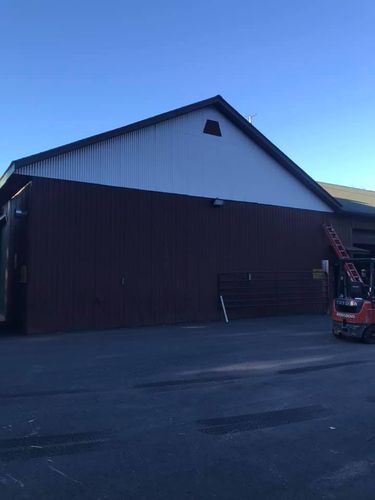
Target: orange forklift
(353, 309)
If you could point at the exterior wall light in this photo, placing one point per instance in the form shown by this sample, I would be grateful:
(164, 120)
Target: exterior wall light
(20, 213)
(218, 202)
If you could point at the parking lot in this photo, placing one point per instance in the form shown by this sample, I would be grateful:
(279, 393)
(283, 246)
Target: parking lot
(260, 409)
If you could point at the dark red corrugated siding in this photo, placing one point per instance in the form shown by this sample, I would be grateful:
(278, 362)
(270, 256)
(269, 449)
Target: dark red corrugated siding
(168, 249)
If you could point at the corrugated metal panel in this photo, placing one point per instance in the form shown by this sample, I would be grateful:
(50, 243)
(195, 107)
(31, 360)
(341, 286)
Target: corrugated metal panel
(175, 156)
(105, 257)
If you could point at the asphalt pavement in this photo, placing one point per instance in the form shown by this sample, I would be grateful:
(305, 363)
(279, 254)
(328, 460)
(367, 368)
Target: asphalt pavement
(260, 409)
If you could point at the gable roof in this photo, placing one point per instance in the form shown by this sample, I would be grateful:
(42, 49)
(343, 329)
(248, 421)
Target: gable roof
(219, 103)
(353, 200)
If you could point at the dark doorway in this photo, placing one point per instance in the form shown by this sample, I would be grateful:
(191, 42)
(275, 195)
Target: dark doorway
(16, 272)
(364, 239)
(3, 264)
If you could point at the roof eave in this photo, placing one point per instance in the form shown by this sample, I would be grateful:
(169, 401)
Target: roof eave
(222, 105)
(8, 172)
(115, 132)
(278, 155)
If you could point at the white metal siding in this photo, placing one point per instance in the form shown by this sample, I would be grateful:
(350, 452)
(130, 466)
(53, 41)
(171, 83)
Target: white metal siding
(176, 157)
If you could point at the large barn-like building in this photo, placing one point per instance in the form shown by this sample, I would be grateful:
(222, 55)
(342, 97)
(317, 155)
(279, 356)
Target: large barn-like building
(151, 223)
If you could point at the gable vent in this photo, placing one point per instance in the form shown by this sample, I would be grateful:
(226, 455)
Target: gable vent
(212, 127)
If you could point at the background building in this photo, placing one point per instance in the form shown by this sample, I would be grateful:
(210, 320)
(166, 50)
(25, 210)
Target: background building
(360, 203)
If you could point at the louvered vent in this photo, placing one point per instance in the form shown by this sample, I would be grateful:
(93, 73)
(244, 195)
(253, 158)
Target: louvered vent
(212, 127)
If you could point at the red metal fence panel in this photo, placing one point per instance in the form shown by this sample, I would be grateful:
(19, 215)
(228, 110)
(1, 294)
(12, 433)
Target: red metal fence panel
(266, 293)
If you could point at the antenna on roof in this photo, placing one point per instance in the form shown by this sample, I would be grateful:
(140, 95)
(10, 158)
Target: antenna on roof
(250, 117)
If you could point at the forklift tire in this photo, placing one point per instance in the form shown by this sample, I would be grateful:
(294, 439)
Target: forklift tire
(336, 335)
(368, 336)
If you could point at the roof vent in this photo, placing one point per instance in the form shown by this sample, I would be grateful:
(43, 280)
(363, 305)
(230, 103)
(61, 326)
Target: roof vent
(212, 127)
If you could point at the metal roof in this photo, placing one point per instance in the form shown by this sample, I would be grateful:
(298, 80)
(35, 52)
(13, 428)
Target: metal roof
(353, 200)
(216, 101)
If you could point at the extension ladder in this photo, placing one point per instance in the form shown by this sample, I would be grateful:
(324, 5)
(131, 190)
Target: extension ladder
(341, 253)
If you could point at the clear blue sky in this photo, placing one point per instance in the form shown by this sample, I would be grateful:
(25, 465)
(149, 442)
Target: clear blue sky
(71, 69)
